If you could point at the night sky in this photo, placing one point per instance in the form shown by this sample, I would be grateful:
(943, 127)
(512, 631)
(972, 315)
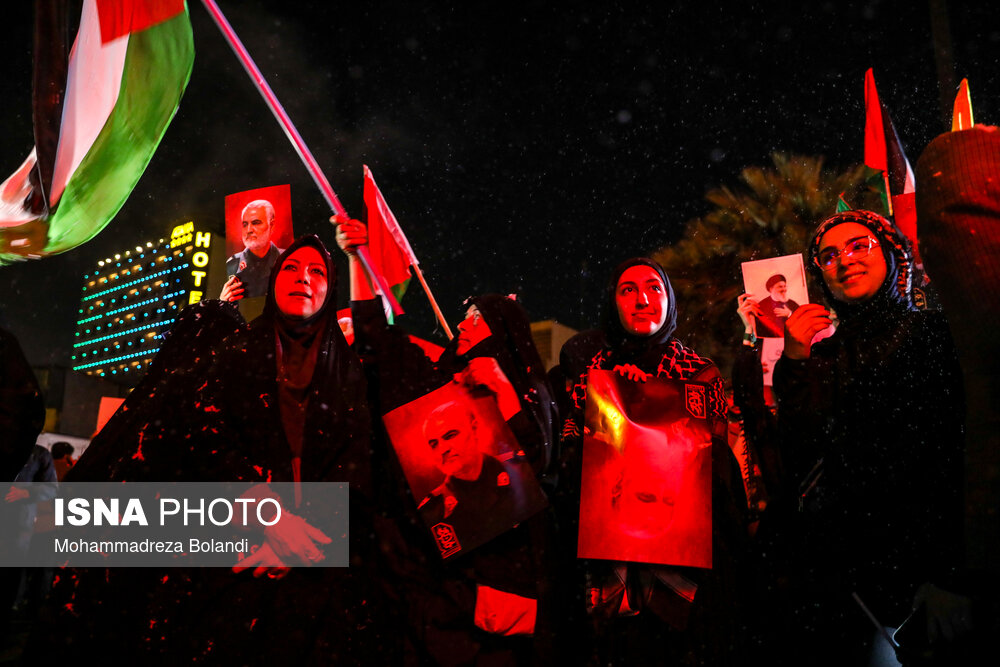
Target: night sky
(524, 147)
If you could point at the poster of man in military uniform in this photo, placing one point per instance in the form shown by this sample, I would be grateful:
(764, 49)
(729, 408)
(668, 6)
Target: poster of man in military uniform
(464, 466)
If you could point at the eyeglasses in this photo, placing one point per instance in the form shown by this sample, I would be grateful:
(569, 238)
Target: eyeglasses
(858, 248)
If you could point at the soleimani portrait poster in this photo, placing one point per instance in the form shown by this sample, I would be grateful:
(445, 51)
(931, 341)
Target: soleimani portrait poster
(258, 229)
(471, 479)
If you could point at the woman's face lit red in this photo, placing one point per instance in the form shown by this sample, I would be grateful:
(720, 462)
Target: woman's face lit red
(300, 287)
(641, 298)
(471, 331)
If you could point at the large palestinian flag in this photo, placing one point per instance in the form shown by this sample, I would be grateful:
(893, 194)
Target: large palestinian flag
(99, 115)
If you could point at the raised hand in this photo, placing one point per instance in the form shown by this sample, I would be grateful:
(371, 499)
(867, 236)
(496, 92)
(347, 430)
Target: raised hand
(802, 326)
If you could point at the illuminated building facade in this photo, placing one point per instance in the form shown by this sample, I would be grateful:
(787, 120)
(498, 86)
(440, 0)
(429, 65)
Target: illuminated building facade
(132, 298)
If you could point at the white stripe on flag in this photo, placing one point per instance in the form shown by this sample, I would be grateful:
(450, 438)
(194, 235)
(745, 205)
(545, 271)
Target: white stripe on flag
(93, 82)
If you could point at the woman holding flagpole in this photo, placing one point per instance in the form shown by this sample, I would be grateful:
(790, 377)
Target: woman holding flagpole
(491, 604)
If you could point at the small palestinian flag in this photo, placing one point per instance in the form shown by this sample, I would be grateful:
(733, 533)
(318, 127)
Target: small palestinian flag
(890, 172)
(390, 250)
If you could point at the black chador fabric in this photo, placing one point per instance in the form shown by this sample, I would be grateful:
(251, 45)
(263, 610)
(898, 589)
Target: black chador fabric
(152, 437)
(441, 596)
(871, 425)
(22, 411)
(281, 369)
(149, 438)
(670, 625)
(289, 399)
(279, 400)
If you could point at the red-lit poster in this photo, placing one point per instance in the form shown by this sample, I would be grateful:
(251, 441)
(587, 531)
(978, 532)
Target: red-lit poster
(646, 491)
(258, 229)
(470, 478)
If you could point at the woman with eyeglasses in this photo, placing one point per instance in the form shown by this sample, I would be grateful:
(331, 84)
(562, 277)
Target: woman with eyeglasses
(871, 426)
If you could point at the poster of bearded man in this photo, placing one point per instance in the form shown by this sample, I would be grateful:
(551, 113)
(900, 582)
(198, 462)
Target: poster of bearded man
(258, 229)
(471, 479)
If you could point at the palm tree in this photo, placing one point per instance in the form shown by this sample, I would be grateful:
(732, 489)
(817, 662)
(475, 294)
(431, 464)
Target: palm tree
(772, 212)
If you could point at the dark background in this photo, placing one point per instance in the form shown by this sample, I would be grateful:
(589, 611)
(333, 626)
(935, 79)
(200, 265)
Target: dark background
(523, 146)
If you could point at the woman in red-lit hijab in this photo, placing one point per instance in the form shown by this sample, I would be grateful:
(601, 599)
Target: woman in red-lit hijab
(639, 613)
(288, 397)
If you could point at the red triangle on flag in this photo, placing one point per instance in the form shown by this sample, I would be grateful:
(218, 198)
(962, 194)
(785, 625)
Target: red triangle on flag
(121, 17)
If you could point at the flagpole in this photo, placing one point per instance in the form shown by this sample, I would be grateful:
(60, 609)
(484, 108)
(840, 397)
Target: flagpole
(293, 135)
(434, 303)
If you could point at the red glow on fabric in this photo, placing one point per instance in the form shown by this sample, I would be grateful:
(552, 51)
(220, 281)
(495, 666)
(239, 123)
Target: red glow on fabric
(108, 406)
(646, 484)
(904, 212)
(432, 351)
(121, 17)
(502, 613)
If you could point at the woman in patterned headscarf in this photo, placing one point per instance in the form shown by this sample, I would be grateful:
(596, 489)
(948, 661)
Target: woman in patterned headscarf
(871, 420)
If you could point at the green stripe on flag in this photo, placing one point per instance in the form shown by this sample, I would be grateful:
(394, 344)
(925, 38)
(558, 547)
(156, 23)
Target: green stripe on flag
(398, 291)
(157, 69)
(874, 180)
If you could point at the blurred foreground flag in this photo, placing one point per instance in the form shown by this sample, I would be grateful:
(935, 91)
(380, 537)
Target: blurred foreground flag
(389, 247)
(891, 173)
(99, 115)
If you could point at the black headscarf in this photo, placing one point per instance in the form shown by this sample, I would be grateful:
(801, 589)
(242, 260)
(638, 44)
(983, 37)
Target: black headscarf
(314, 365)
(629, 347)
(509, 342)
(895, 294)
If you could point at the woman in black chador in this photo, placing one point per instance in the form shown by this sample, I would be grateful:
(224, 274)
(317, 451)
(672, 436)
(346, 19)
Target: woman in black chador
(871, 423)
(282, 400)
(649, 614)
(287, 397)
(490, 605)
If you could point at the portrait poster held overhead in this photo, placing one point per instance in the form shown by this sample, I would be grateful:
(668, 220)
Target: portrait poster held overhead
(646, 488)
(778, 285)
(258, 229)
(471, 479)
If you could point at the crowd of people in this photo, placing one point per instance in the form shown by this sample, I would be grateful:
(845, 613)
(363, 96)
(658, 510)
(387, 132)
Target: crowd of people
(842, 504)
